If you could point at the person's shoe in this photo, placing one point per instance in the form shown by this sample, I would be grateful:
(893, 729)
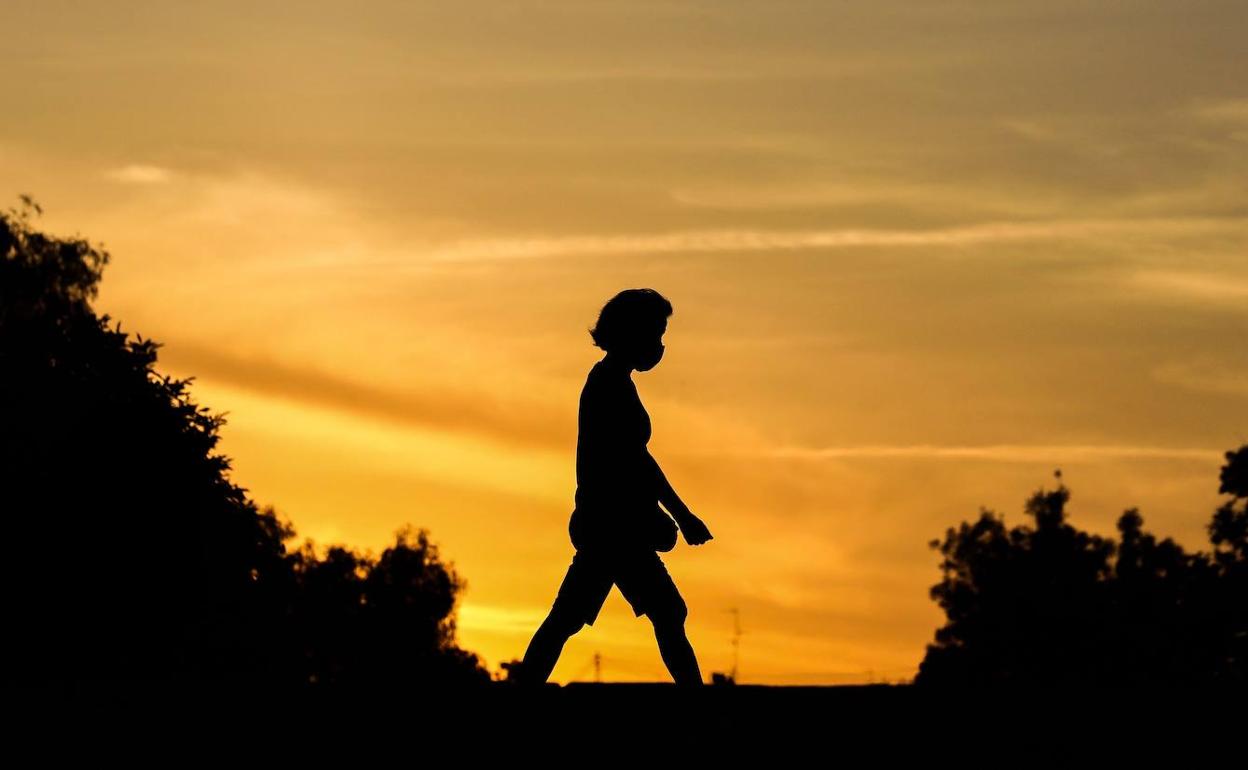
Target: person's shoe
(517, 676)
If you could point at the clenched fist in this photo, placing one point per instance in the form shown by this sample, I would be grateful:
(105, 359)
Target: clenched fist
(694, 530)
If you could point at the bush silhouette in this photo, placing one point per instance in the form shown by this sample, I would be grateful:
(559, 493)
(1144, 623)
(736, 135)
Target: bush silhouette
(129, 554)
(1050, 605)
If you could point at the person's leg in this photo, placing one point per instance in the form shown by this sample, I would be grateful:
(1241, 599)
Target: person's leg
(547, 645)
(581, 596)
(675, 649)
(648, 586)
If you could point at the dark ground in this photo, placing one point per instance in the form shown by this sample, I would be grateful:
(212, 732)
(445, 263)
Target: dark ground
(617, 722)
(582, 699)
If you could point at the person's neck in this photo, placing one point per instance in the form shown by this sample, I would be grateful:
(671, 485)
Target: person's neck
(617, 365)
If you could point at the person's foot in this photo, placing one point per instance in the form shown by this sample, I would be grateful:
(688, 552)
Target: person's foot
(517, 675)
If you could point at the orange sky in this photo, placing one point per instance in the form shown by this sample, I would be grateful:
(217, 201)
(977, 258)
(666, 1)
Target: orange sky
(919, 258)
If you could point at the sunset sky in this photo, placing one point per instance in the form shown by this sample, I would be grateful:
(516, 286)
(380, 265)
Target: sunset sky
(921, 254)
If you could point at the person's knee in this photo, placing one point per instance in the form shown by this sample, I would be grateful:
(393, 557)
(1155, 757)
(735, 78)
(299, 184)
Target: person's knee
(671, 615)
(564, 622)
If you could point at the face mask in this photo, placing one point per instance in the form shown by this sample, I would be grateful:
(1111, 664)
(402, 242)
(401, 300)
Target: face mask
(656, 356)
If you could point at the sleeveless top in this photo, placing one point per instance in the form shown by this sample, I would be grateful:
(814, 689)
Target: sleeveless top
(615, 484)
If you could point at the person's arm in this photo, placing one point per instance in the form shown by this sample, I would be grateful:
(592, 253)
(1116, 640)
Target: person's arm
(671, 501)
(691, 526)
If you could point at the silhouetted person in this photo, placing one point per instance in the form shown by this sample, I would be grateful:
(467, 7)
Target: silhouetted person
(617, 526)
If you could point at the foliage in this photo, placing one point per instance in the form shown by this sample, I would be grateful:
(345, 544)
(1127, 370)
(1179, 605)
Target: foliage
(128, 551)
(1049, 605)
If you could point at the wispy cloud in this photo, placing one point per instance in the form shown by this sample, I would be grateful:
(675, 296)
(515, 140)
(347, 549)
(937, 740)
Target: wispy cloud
(1022, 453)
(1223, 110)
(1204, 286)
(455, 409)
(772, 240)
(1032, 129)
(1229, 115)
(824, 194)
(1207, 376)
(497, 619)
(723, 72)
(140, 174)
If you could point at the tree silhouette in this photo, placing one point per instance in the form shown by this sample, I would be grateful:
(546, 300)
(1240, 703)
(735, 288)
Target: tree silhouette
(1228, 532)
(361, 620)
(129, 554)
(1049, 605)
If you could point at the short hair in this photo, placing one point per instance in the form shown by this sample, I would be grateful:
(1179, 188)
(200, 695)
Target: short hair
(628, 315)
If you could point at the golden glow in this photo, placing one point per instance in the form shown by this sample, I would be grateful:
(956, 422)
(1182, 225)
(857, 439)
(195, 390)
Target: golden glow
(920, 257)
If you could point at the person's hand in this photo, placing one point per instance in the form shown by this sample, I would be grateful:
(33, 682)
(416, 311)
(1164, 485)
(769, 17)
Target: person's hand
(694, 530)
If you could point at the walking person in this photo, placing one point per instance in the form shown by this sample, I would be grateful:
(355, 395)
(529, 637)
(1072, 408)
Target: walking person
(617, 526)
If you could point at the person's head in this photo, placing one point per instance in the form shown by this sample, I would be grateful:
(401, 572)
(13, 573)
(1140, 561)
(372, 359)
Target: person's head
(631, 325)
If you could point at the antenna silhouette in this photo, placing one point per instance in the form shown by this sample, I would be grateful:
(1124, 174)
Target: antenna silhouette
(596, 662)
(736, 640)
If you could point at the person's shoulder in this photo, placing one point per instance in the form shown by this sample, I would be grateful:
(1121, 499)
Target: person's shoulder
(594, 381)
(594, 377)
(603, 384)
(600, 376)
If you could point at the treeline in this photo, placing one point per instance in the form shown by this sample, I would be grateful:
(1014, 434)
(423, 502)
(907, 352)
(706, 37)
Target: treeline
(1048, 605)
(127, 551)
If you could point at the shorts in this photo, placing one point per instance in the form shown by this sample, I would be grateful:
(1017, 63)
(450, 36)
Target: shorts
(642, 577)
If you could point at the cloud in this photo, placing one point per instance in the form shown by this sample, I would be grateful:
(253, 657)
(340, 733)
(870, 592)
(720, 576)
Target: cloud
(765, 196)
(496, 619)
(1033, 130)
(242, 217)
(774, 240)
(1230, 115)
(1223, 110)
(532, 424)
(990, 200)
(140, 174)
(1203, 375)
(1203, 286)
(724, 72)
(1024, 453)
